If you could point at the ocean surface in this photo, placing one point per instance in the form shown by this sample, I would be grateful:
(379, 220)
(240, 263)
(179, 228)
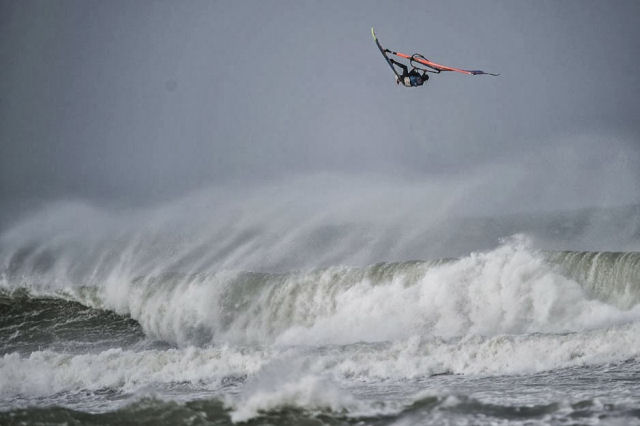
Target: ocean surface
(105, 323)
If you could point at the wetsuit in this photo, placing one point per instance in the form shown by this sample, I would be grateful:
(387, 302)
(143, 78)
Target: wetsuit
(410, 78)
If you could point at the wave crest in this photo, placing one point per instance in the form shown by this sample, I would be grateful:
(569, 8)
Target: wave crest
(513, 289)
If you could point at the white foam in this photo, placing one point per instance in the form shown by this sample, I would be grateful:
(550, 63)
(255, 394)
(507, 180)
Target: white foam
(315, 379)
(309, 391)
(497, 355)
(47, 372)
(510, 290)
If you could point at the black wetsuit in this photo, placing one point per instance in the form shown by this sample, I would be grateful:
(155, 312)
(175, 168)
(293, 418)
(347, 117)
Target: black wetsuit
(410, 78)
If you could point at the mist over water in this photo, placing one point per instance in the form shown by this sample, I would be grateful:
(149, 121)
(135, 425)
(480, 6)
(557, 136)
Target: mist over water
(314, 221)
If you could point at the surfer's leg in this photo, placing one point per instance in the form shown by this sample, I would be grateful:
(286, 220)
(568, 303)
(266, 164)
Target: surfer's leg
(402, 66)
(405, 70)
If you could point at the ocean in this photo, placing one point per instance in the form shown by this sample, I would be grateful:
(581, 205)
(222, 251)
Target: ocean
(117, 318)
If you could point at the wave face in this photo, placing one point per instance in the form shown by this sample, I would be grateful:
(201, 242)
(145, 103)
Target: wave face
(99, 319)
(609, 276)
(29, 323)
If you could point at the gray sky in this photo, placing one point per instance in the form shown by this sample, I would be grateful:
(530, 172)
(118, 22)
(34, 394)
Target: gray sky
(144, 101)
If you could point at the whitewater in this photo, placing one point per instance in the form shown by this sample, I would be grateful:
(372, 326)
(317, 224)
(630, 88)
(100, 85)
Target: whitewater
(304, 315)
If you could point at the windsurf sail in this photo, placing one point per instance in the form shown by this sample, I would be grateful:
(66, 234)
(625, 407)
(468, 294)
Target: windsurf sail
(419, 59)
(438, 67)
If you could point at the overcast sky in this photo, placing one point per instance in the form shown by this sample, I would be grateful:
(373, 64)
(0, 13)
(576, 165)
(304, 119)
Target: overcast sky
(147, 100)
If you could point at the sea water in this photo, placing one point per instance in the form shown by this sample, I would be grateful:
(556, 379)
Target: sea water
(102, 325)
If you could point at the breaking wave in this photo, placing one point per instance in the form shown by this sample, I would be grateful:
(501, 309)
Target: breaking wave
(513, 289)
(610, 276)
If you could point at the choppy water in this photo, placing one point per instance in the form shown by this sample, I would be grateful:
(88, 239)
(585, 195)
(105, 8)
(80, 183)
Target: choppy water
(93, 331)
